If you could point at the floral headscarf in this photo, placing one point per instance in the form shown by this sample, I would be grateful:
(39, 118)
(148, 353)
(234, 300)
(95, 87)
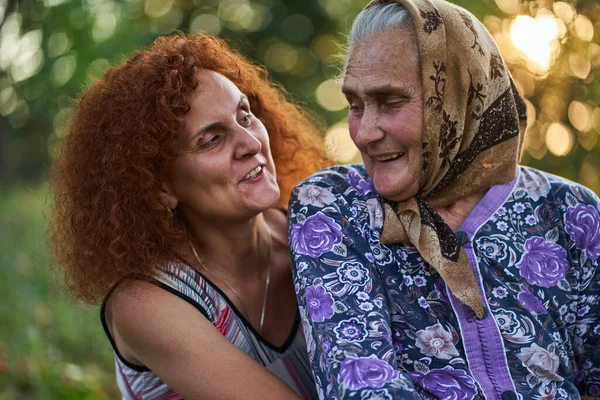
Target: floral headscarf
(474, 123)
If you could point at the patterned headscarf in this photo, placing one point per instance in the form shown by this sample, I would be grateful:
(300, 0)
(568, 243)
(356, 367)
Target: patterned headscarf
(474, 123)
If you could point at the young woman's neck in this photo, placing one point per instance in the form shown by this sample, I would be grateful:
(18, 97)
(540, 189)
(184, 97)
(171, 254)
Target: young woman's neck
(238, 251)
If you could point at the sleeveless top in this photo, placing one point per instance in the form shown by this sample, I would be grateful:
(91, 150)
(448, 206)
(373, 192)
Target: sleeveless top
(289, 362)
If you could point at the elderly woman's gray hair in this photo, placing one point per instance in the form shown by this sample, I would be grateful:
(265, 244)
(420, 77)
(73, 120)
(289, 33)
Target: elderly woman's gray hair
(377, 19)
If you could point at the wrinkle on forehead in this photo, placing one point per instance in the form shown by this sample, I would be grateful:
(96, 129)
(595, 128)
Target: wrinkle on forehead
(391, 49)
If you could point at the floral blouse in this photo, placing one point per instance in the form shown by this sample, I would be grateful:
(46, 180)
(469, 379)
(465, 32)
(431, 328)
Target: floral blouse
(381, 324)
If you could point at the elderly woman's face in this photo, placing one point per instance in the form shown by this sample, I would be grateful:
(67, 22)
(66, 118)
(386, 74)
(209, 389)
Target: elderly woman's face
(225, 170)
(383, 86)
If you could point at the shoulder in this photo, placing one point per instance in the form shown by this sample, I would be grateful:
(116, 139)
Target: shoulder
(341, 184)
(539, 186)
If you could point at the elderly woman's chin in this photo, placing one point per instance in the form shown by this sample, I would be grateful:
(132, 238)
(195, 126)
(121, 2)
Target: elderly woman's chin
(395, 185)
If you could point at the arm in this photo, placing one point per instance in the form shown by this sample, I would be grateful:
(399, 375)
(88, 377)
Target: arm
(342, 298)
(582, 224)
(169, 336)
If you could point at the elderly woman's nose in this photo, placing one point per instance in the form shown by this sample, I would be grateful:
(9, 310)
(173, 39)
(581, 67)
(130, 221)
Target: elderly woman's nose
(369, 129)
(247, 143)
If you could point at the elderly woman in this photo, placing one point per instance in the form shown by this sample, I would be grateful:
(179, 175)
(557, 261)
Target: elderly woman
(168, 210)
(440, 269)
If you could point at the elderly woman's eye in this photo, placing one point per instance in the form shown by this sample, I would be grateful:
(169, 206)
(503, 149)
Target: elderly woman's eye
(355, 107)
(246, 119)
(392, 105)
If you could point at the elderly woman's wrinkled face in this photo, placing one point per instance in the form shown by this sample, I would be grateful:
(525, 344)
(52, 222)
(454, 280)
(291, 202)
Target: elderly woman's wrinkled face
(383, 86)
(225, 170)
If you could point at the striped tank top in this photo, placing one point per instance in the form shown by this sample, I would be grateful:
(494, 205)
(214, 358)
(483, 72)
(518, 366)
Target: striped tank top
(289, 362)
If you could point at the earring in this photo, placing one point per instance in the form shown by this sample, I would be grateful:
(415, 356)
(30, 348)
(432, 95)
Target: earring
(170, 212)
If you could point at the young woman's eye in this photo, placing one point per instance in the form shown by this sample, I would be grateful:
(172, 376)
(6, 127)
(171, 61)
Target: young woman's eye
(209, 140)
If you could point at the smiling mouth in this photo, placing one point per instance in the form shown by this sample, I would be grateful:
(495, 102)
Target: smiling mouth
(253, 173)
(389, 157)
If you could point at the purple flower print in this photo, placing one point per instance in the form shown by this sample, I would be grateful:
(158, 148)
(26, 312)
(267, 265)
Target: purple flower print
(531, 302)
(398, 348)
(423, 302)
(583, 225)
(499, 292)
(319, 303)
(362, 296)
(366, 372)
(446, 383)
(420, 280)
(518, 208)
(583, 311)
(544, 263)
(351, 330)
(362, 186)
(317, 235)
(326, 346)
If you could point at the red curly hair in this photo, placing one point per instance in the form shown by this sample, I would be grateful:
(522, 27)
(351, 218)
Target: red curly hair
(107, 222)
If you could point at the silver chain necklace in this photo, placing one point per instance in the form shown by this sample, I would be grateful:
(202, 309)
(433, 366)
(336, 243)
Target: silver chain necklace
(267, 282)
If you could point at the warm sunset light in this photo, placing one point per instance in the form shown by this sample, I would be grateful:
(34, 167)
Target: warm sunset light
(534, 38)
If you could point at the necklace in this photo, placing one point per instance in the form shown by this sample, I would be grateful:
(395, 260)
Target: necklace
(267, 281)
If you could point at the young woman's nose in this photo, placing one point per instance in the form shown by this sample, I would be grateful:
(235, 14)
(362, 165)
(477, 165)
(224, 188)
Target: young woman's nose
(247, 144)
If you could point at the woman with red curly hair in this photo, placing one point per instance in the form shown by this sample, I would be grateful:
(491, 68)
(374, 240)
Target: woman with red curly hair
(169, 212)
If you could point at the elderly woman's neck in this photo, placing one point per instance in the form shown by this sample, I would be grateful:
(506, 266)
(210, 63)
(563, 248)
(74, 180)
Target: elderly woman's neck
(455, 214)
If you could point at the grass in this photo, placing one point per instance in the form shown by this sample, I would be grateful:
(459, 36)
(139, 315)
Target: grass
(50, 347)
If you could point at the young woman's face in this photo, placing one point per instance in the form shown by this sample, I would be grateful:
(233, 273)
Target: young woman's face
(225, 170)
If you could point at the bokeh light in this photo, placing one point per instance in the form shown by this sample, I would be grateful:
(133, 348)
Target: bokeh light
(208, 23)
(280, 57)
(533, 37)
(330, 96)
(63, 70)
(157, 8)
(564, 11)
(583, 28)
(559, 139)
(580, 116)
(104, 26)
(509, 6)
(59, 43)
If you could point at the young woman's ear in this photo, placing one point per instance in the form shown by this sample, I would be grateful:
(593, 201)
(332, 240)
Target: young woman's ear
(167, 198)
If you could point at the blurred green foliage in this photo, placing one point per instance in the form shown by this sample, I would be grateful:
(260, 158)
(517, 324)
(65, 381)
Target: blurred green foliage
(51, 49)
(50, 347)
